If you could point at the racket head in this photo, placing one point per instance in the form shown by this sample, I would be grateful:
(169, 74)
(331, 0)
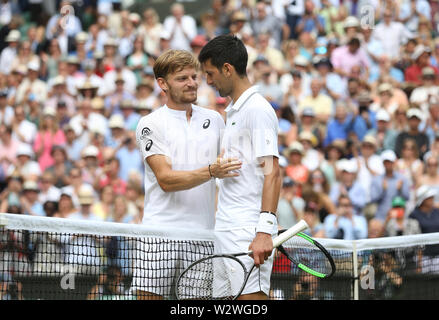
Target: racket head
(215, 277)
(309, 255)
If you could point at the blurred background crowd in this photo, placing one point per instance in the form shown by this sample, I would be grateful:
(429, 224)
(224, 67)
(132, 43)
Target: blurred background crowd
(353, 83)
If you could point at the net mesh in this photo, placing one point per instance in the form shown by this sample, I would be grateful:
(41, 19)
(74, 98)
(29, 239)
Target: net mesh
(49, 258)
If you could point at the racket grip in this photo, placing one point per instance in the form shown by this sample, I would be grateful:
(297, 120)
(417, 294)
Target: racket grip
(284, 236)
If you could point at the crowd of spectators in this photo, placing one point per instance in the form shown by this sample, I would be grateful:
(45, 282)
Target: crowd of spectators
(353, 83)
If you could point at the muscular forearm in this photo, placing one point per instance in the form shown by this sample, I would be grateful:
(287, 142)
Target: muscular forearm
(271, 191)
(183, 180)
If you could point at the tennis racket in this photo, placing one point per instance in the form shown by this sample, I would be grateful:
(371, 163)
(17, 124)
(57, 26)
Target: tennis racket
(222, 276)
(308, 255)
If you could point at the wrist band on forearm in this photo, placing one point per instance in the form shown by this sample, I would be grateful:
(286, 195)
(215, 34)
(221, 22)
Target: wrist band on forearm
(210, 172)
(267, 223)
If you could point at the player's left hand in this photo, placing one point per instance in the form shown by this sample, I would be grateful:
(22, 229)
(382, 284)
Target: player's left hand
(262, 247)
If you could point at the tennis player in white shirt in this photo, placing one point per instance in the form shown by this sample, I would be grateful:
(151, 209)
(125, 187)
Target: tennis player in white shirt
(245, 217)
(180, 144)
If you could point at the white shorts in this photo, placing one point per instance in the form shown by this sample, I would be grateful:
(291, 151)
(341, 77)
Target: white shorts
(235, 241)
(159, 262)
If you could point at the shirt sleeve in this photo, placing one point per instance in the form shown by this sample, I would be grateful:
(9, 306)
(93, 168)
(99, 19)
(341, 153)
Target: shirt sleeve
(264, 128)
(150, 139)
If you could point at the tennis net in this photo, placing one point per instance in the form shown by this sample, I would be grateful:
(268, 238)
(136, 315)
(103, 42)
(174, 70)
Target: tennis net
(53, 258)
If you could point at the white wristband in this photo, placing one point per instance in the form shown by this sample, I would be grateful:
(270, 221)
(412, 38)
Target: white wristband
(267, 223)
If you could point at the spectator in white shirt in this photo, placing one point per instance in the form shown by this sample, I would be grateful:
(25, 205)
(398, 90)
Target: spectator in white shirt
(391, 34)
(9, 53)
(182, 28)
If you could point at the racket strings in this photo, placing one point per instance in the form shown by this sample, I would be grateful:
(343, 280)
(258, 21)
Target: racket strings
(305, 253)
(214, 278)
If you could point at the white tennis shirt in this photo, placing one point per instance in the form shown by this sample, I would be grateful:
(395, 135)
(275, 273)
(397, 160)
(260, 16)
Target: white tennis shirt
(251, 132)
(190, 145)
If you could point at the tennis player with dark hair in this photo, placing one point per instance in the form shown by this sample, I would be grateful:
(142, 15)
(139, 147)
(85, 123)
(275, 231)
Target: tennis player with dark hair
(245, 217)
(180, 144)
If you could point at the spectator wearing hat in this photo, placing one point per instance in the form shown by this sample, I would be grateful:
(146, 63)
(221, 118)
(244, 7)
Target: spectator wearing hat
(311, 158)
(319, 101)
(120, 71)
(391, 34)
(25, 166)
(384, 134)
(428, 88)
(86, 119)
(309, 123)
(117, 131)
(66, 204)
(240, 24)
(182, 28)
(115, 98)
(86, 200)
(339, 126)
(349, 186)
(421, 59)
(197, 43)
(32, 87)
(145, 94)
(89, 66)
(385, 99)
(29, 200)
(346, 57)
(385, 187)
(345, 224)
(9, 53)
(91, 172)
(296, 170)
(425, 212)
(59, 94)
(291, 205)
(414, 117)
(397, 224)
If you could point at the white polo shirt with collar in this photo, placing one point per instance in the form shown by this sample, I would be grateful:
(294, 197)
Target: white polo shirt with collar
(190, 146)
(251, 132)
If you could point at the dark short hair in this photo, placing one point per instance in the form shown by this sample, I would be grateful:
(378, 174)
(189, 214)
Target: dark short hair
(225, 49)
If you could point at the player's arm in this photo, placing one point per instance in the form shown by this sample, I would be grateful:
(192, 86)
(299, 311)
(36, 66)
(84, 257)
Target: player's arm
(262, 245)
(176, 180)
(264, 125)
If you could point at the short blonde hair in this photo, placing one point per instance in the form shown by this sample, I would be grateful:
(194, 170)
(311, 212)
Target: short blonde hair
(173, 61)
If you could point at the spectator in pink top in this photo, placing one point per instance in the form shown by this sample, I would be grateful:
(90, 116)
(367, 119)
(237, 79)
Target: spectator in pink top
(48, 136)
(346, 57)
